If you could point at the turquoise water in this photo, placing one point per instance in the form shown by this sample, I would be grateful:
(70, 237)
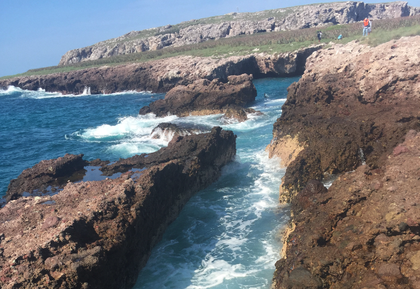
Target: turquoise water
(225, 237)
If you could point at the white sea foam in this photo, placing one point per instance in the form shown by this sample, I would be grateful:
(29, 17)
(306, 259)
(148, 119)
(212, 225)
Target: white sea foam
(10, 89)
(133, 92)
(136, 126)
(38, 94)
(42, 94)
(213, 272)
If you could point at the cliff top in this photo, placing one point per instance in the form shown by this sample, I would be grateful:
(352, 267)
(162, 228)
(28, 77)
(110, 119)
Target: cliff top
(279, 13)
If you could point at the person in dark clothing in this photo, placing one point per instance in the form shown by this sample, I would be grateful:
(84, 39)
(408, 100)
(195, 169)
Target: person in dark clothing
(319, 36)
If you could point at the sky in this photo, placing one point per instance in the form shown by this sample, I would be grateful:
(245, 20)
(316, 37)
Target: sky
(36, 33)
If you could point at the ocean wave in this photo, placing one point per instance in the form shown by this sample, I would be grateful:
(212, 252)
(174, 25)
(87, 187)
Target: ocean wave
(42, 94)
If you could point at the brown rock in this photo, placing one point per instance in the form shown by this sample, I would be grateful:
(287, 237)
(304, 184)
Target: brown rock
(163, 75)
(50, 221)
(48, 173)
(378, 90)
(363, 231)
(205, 97)
(99, 234)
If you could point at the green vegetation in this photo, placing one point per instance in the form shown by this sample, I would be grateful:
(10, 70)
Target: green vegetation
(272, 42)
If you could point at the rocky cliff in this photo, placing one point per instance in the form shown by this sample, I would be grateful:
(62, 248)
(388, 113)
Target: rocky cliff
(235, 24)
(99, 234)
(163, 75)
(353, 114)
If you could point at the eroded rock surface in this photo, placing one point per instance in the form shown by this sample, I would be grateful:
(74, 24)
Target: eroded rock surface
(205, 97)
(353, 104)
(292, 18)
(364, 232)
(47, 175)
(354, 114)
(163, 75)
(99, 234)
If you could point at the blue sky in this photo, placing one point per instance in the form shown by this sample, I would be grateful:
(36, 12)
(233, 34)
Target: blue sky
(36, 33)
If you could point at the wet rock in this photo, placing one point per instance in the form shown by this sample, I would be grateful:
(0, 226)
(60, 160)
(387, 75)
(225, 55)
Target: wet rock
(98, 162)
(238, 113)
(99, 234)
(46, 174)
(180, 147)
(167, 131)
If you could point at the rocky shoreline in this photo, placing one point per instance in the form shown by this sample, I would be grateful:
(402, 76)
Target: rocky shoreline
(354, 116)
(194, 85)
(99, 234)
(163, 75)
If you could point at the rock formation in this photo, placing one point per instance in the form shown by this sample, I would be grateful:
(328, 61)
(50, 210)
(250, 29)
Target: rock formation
(235, 24)
(353, 114)
(168, 131)
(47, 175)
(99, 234)
(204, 97)
(163, 75)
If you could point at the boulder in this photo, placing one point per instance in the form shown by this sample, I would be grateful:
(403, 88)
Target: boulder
(204, 97)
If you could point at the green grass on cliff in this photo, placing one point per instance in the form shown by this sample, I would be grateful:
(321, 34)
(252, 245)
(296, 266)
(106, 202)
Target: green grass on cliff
(270, 42)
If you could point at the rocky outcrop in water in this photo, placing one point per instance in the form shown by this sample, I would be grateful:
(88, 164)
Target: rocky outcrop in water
(47, 175)
(353, 114)
(99, 234)
(204, 97)
(163, 75)
(235, 24)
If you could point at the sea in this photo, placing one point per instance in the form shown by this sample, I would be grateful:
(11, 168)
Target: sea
(226, 236)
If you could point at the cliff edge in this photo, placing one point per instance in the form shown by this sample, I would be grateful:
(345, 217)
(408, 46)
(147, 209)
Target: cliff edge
(353, 117)
(235, 24)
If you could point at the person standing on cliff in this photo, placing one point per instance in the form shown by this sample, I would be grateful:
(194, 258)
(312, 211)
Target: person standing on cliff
(319, 36)
(366, 27)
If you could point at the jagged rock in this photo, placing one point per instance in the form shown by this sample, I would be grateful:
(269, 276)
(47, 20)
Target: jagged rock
(47, 175)
(98, 162)
(178, 148)
(163, 75)
(238, 113)
(99, 234)
(204, 97)
(352, 105)
(168, 131)
(354, 113)
(356, 235)
(292, 18)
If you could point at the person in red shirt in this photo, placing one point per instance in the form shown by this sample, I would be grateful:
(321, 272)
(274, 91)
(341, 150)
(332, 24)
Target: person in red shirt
(366, 27)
